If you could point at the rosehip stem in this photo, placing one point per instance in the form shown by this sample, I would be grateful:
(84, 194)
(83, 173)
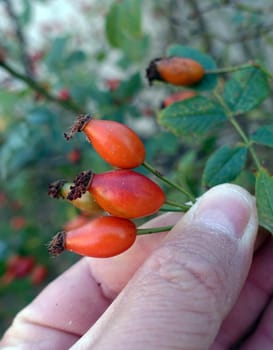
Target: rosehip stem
(240, 67)
(167, 181)
(172, 209)
(181, 207)
(144, 231)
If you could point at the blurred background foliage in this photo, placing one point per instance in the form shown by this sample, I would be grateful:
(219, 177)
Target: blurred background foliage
(61, 58)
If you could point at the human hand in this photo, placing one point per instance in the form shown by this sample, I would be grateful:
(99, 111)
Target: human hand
(196, 287)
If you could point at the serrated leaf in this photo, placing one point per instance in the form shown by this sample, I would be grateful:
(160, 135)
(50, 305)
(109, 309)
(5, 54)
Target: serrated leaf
(263, 135)
(264, 199)
(195, 116)
(246, 89)
(209, 81)
(224, 165)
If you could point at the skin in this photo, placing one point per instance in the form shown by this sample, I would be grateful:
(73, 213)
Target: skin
(198, 287)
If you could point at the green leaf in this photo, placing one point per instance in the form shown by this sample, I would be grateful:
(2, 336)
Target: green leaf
(123, 19)
(209, 81)
(8, 99)
(264, 199)
(263, 135)
(246, 89)
(123, 28)
(195, 116)
(75, 58)
(26, 14)
(224, 165)
(128, 88)
(56, 55)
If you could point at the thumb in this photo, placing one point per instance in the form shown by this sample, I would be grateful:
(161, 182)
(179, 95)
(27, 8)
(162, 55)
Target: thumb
(184, 290)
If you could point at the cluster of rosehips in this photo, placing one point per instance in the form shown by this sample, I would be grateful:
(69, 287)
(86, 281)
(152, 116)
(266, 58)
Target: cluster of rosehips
(117, 197)
(113, 198)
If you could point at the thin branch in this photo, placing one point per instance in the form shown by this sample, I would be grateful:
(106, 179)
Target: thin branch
(20, 38)
(69, 104)
(208, 46)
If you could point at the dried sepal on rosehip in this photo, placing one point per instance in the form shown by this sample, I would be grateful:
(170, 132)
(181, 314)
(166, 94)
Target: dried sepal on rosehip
(121, 192)
(103, 237)
(116, 143)
(86, 203)
(175, 70)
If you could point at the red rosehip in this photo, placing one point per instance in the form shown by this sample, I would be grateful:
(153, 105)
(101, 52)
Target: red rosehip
(102, 237)
(39, 274)
(123, 193)
(177, 96)
(175, 70)
(116, 143)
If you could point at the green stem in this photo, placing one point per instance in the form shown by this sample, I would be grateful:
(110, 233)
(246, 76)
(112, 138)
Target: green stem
(240, 67)
(229, 69)
(171, 209)
(144, 231)
(69, 105)
(263, 69)
(183, 207)
(239, 130)
(167, 181)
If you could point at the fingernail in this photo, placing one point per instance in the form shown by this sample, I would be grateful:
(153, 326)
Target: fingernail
(226, 208)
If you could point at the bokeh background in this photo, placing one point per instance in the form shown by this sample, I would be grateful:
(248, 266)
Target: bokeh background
(64, 57)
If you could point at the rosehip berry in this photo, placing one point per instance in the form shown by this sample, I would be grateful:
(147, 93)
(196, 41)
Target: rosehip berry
(116, 143)
(74, 156)
(17, 223)
(175, 70)
(20, 266)
(102, 237)
(177, 96)
(112, 84)
(38, 275)
(123, 193)
(64, 95)
(86, 203)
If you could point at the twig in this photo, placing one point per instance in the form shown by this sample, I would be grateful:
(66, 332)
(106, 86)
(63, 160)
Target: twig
(69, 104)
(202, 25)
(20, 37)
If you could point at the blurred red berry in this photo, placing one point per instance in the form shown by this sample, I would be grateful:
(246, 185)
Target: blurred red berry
(39, 274)
(37, 56)
(177, 96)
(20, 266)
(112, 84)
(17, 223)
(74, 156)
(63, 95)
